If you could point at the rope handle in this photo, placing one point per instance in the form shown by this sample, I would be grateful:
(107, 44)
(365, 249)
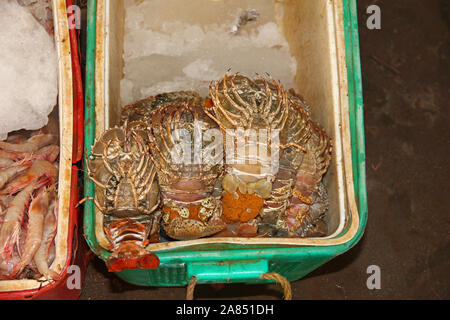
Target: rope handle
(285, 284)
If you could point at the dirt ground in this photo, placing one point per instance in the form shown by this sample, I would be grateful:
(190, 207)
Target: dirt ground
(405, 68)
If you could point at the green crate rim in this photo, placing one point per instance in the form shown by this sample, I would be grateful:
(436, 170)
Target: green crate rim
(244, 252)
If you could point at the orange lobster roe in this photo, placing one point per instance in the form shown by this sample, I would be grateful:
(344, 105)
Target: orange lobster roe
(193, 212)
(209, 103)
(240, 207)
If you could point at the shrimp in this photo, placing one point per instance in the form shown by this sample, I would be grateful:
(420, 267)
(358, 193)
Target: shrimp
(31, 145)
(8, 174)
(36, 215)
(14, 156)
(2, 213)
(51, 255)
(42, 255)
(5, 200)
(52, 248)
(6, 267)
(5, 163)
(38, 170)
(49, 153)
(16, 138)
(10, 231)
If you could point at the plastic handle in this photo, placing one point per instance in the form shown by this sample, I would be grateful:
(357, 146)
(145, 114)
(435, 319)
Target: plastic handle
(227, 271)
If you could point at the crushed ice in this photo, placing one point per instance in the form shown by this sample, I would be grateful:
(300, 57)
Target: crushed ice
(28, 71)
(172, 46)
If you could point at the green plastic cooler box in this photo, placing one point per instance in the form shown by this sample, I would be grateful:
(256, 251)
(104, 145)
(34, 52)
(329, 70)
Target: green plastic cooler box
(323, 36)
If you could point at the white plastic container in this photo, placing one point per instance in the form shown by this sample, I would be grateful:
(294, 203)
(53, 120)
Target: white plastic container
(315, 32)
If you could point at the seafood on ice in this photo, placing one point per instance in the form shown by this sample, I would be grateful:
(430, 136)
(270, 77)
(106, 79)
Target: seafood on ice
(28, 207)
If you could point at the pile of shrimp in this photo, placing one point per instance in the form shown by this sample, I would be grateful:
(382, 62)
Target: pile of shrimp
(28, 206)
